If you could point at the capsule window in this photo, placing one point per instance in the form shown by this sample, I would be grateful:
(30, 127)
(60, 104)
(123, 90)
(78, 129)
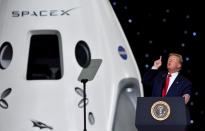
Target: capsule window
(82, 54)
(6, 54)
(44, 58)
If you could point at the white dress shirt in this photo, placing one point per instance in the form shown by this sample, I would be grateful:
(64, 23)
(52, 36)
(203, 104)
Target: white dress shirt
(171, 79)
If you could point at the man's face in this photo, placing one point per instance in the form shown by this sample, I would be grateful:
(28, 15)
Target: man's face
(173, 63)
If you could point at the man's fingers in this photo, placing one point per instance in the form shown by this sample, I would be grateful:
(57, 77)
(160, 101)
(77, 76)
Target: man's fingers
(160, 58)
(186, 97)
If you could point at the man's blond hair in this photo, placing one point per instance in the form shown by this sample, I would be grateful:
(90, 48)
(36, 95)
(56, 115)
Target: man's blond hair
(177, 55)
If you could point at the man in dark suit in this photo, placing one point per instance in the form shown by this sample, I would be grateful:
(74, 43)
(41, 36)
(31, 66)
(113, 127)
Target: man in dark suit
(171, 82)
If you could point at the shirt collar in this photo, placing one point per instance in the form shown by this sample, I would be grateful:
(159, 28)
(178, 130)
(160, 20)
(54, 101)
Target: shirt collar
(174, 74)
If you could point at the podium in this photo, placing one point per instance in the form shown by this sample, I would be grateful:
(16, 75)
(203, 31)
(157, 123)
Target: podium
(161, 114)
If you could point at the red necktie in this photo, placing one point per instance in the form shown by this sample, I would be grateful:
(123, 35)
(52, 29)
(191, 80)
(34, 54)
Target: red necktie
(166, 84)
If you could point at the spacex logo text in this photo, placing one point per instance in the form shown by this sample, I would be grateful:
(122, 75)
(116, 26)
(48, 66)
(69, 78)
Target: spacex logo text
(41, 13)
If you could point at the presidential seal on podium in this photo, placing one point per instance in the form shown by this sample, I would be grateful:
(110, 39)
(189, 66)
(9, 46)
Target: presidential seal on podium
(160, 110)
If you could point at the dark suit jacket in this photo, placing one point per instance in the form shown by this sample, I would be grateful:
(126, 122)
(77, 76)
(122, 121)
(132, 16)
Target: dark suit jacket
(156, 79)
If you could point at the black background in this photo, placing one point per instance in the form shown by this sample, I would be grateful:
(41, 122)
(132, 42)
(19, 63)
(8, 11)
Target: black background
(159, 28)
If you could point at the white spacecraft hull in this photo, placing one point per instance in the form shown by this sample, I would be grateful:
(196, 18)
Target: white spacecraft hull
(33, 105)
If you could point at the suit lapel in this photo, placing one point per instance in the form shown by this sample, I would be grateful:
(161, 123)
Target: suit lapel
(174, 85)
(161, 84)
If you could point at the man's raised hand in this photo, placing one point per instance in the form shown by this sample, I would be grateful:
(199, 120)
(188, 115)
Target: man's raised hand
(158, 63)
